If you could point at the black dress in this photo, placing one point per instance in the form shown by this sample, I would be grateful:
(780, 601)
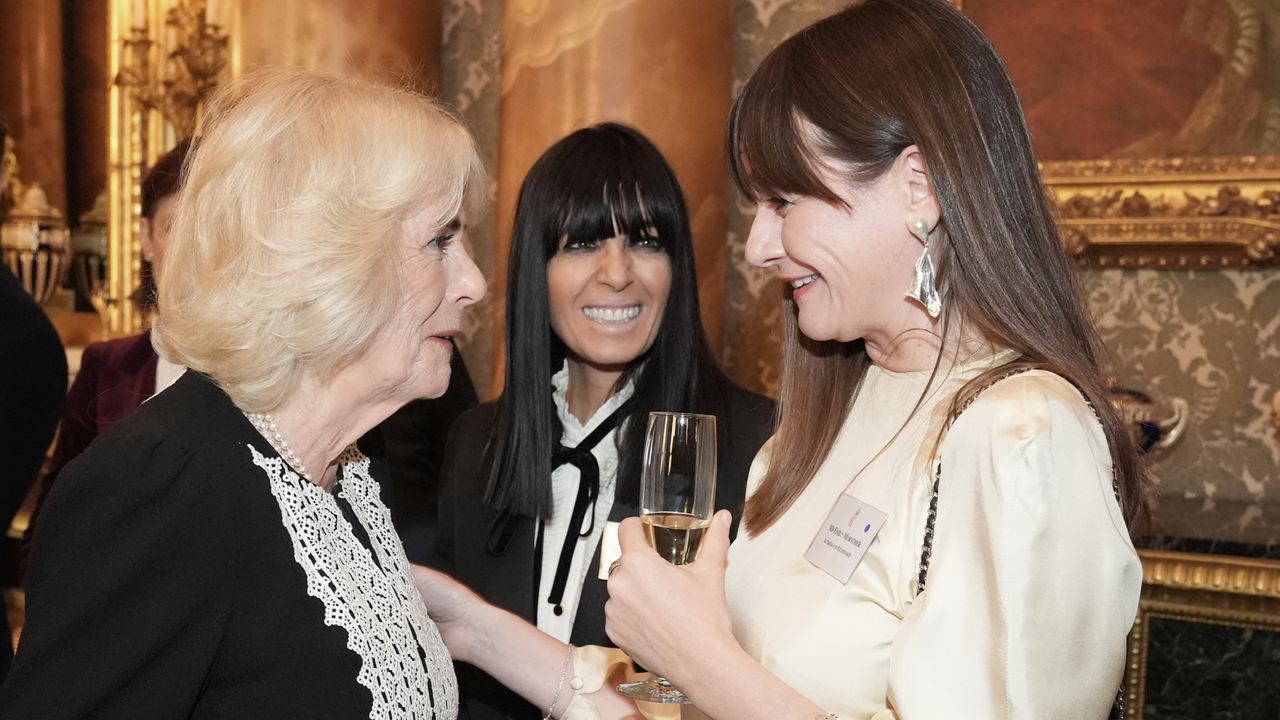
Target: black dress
(33, 386)
(509, 579)
(179, 572)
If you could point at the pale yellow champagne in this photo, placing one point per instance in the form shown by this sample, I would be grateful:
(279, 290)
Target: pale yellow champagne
(676, 536)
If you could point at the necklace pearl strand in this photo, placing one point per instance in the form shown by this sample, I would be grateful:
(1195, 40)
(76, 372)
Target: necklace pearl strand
(265, 424)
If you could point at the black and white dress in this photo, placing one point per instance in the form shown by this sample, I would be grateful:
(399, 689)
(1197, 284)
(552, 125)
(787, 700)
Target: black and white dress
(181, 569)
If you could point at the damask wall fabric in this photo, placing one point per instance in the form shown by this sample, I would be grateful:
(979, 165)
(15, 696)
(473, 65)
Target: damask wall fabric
(1212, 338)
(470, 75)
(753, 297)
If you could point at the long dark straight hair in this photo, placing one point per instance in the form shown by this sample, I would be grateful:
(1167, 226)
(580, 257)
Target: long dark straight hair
(855, 90)
(593, 184)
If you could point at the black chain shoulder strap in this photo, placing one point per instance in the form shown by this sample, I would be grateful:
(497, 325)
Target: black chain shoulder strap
(926, 552)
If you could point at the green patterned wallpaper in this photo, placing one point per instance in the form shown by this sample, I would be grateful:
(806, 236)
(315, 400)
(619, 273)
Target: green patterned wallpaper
(1212, 338)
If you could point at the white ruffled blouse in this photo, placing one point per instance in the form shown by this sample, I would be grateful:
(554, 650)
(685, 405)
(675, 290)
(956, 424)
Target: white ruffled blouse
(564, 491)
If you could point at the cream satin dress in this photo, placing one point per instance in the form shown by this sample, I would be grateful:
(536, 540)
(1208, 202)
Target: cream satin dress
(1032, 588)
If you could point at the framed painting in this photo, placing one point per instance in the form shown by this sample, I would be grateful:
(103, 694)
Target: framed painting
(1157, 124)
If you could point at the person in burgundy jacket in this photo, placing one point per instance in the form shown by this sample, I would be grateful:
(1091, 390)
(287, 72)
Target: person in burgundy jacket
(116, 376)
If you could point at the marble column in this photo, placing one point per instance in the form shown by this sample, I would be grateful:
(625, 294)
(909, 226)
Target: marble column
(397, 40)
(663, 66)
(31, 92)
(88, 83)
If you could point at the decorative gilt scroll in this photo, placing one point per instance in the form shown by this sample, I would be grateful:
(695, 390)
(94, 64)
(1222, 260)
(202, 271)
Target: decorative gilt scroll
(166, 57)
(1208, 212)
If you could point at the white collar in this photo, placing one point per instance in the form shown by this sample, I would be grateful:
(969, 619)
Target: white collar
(575, 431)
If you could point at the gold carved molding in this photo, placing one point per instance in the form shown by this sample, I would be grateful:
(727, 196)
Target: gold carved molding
(1197, 212)
(1216, 573)
(1191, 587)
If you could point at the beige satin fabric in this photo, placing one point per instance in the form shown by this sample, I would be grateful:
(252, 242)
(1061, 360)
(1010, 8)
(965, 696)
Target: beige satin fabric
(594, 665)
(1033, 585)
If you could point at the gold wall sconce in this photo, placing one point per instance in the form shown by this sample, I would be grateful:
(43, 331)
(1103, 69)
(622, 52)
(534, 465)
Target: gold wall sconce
(197, 57)
(164, 71)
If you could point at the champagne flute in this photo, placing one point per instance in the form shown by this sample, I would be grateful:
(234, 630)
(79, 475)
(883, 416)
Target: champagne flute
(92, 282)
(677, 495)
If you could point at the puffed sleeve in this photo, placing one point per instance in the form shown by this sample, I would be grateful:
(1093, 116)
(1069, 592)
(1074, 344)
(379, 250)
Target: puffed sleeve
(1034, 583)
(128, 589)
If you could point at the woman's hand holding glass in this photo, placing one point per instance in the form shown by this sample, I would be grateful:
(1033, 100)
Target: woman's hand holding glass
(671, 618)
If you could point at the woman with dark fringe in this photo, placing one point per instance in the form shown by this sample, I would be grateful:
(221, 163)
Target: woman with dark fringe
(603, 326)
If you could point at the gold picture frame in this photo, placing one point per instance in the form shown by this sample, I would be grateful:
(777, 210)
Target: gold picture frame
(1196, 212)
(1217, 590)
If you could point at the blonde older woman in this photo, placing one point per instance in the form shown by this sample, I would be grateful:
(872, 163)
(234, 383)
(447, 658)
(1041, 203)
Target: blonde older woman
(224, 552)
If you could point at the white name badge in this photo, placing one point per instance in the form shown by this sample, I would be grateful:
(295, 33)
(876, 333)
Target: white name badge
(610, 550)
(844, 537)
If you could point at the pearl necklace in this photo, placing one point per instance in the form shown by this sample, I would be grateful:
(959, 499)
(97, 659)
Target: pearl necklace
(265, 424)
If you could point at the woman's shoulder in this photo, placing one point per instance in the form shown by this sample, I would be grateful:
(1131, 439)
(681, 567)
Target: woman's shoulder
(189, 428)
(1030, 409)
(480, 416)
(1027, 399)
(133, 471)
(749, 401)
(132, 350)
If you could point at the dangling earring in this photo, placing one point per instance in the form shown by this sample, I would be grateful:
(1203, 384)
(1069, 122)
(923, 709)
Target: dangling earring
(923, 290)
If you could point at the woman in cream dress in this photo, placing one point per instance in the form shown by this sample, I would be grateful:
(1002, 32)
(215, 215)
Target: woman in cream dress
(939, 527)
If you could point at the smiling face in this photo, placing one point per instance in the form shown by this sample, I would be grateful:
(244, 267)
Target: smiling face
(412, 352)
(849, 267)
(607, 298)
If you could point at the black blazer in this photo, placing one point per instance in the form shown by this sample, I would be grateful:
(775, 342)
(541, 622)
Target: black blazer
(33, 386)
(412, 442)
(508, 580)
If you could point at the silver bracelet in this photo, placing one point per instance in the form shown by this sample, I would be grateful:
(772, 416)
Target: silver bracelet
(564, 670)
(826, 716)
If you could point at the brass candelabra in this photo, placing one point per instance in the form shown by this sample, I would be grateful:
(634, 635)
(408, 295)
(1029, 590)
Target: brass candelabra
(198, 56)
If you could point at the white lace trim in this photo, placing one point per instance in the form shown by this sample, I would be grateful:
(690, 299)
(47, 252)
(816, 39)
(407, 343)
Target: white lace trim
(381, 610)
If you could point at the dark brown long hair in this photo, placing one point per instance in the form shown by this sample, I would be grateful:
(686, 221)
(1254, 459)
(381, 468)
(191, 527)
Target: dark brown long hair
(163, 180)
(854, 91)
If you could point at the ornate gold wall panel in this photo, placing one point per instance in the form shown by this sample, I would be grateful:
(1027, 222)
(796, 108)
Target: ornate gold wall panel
(1205, 212)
